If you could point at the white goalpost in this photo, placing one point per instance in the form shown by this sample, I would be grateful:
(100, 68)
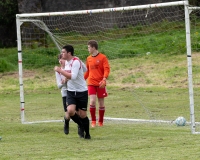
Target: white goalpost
(119, 32)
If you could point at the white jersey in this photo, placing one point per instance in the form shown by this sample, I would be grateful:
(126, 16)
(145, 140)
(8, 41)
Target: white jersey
(63, 87)
(77, 82)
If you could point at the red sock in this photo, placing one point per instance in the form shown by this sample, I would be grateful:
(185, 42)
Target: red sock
(101, 113)
(93, 112)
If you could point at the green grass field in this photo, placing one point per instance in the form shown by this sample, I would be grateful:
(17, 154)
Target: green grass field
(113, 141)
(140, 86)
(116, 140)
(142, 95)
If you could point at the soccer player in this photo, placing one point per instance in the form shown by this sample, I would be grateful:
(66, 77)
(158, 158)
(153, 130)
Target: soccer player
(77, 92)
(98, 70)
(62, 84)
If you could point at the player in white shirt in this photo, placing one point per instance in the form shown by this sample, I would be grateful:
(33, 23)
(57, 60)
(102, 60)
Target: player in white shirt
(62, 85)
(77, 92)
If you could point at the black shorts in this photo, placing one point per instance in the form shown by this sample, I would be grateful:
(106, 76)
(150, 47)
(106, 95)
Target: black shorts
(80, 99)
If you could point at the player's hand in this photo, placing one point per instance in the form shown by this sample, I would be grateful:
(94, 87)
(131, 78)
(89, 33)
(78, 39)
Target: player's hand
(63, 81)
(57, 69)
(102, 84)
(66, 80)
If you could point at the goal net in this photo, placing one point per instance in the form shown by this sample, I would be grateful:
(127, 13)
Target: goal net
(149, 49)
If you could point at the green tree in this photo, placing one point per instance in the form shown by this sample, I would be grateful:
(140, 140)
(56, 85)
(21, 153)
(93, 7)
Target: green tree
(8, 10)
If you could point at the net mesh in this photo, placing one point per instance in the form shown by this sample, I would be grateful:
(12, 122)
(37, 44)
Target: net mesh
(127, 38)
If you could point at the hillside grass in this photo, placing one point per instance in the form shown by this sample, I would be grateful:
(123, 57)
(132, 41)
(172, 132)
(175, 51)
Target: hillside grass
(132, 42)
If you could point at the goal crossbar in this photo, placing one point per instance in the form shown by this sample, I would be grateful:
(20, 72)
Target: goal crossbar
(148, 6)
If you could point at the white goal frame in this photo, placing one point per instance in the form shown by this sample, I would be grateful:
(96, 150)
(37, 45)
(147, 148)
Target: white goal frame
(20, 18)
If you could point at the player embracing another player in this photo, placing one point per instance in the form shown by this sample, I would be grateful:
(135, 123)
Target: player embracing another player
(98, 70)
(77, 92)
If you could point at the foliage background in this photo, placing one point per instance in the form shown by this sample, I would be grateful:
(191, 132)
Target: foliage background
(8, 10)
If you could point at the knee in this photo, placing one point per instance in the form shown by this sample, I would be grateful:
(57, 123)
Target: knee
(83, 114)
(92, 102)
(70, 111)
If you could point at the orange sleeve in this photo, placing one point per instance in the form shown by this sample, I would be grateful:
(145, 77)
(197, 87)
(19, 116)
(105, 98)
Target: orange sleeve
(86, 75)
(106, 67)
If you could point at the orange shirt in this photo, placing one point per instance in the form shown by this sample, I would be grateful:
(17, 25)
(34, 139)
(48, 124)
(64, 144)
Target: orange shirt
(97, 69)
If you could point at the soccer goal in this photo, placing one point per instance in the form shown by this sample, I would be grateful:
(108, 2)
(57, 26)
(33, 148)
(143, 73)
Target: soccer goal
(163, 34)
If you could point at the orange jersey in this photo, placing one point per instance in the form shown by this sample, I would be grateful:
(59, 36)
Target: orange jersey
(97, 69)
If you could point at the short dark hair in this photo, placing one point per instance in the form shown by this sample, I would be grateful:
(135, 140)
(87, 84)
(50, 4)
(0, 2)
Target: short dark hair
(69, 48)
(93, 43)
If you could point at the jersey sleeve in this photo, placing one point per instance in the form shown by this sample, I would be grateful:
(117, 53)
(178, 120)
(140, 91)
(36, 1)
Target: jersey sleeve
(75, 69)
(106, 67)
(58, 80)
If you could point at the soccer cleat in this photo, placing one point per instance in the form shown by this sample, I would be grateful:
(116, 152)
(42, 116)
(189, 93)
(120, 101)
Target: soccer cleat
(87, 136)
(93, 124)
(100, 124)
(66, 126)
(80, 131)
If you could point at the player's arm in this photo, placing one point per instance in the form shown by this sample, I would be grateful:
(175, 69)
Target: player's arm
(75, 69)
(86, 74)
(64, 73)
(106, 67)
(58, 80)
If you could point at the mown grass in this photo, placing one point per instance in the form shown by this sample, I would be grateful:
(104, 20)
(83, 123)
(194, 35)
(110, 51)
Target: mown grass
(141, 86)
(147, 87)
(127, 141)
(116, 140)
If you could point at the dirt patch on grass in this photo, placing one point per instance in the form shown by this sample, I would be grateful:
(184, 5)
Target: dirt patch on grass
(26, 74)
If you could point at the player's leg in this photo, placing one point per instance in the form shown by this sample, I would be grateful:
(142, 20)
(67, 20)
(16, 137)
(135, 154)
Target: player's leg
(92, 90)
(101, 94)
(66, 116)
(93, 109)
(82, 103)
(86, 123)
(101, 111)
(76, 118)
(71, 108)
(80, 130)
(72, 113)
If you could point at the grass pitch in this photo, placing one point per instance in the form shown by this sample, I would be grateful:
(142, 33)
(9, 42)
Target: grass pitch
(141, 96)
